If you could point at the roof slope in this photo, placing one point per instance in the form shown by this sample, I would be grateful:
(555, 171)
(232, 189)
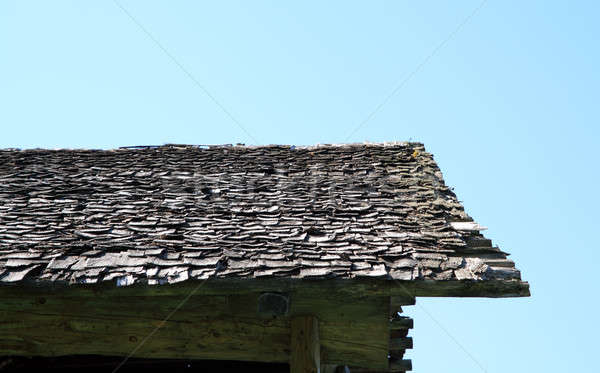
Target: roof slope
(170, 213)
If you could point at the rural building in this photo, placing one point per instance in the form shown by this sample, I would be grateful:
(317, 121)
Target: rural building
(255, 254)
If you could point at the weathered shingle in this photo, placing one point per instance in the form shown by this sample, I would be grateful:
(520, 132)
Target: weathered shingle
(166, 214)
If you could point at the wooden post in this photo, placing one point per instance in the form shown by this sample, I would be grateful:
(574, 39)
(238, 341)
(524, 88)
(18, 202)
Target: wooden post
(305, 354)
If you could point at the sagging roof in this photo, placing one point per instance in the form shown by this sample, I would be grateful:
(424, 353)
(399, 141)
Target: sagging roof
(171, 213)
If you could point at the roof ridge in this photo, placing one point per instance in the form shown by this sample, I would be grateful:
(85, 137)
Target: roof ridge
(237, 146)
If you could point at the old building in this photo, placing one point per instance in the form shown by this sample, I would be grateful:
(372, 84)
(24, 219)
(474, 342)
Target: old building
(273, 254)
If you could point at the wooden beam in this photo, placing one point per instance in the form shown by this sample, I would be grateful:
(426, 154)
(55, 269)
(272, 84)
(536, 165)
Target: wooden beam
(66, 321)
(305, 345)
(400, 365)
(358, 287)
(401, 343)
(401, 323)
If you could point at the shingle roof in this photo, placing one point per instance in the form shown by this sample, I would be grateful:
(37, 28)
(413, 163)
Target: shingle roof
(171, 213)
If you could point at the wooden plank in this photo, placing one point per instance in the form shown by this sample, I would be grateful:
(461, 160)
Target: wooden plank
(52, 335)
(355, 288)
(53, 322)
(344, 338)
(401, 323)
(403, 365)
(305, 347)
(401, 343)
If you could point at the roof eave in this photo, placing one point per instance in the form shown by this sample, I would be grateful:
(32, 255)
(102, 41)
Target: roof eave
(319, 287)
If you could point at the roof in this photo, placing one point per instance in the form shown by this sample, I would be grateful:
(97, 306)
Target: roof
(172, 213)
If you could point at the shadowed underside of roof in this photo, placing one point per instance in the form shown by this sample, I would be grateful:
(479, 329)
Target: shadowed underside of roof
(167, 214)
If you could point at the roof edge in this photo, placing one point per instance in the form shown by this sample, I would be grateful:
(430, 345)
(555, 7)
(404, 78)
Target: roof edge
(317, 287)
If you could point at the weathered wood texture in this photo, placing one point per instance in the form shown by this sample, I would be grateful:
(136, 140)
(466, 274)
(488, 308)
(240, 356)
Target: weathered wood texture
(399, 339)
(210, 325)
(400, 365)
(401, 343)
(349, 287)
(401, 323)
(305, 355)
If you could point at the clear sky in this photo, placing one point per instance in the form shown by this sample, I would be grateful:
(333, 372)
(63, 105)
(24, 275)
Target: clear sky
(508, 104)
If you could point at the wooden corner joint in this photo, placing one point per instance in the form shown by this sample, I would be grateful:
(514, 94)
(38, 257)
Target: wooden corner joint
(305, 355)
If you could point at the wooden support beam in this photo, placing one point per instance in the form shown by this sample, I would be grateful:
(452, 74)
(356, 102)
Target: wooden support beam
(305, 354)
(354, 288)
(400, 365)
(401, 323)
(401, 343)
(63, 321)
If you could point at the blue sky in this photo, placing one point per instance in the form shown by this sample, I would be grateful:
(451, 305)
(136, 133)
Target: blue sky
(508, 106)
